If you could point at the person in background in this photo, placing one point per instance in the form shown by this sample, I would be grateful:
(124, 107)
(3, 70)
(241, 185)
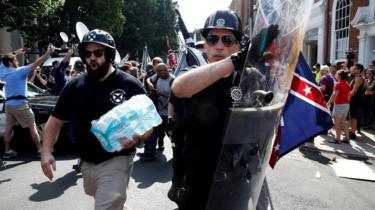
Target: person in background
(86, 98)
(58, 72)
(368, 101)
(78, 69)
(163, 89)
(134, 71)
(332, 73)
(37, 78)
(126, 67)
(326, 82)
(340, 98)
(316, 72)
(357, 92)
(67, 76)
(150, 85)
(17, 109)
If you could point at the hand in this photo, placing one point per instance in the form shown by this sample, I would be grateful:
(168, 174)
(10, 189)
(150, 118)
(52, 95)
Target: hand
(151, 87)
(38, 70)
(158, 93)
(47, 160)
(261, 42)
(170, 126)
(257, 45)
(51, 48)
(130, 142)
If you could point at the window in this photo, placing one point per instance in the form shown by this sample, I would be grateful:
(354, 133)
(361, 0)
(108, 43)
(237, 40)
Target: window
(342, 28)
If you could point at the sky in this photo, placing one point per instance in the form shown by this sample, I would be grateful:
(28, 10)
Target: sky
(195, 12)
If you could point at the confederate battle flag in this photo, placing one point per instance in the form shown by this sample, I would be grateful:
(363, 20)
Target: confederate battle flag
(305, 113)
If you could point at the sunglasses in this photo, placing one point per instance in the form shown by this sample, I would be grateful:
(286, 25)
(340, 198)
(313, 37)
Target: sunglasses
(97, 53)
(227, 40)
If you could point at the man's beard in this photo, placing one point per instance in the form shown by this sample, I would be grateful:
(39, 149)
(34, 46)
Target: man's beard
(98, 73)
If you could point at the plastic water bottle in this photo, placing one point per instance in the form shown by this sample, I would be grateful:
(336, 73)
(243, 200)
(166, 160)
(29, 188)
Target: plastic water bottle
(133, 117)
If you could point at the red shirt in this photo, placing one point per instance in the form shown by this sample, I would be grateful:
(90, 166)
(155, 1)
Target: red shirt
(343, 89)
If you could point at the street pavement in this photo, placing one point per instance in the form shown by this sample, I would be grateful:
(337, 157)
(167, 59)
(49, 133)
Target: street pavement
(293, 183)
(362, 147)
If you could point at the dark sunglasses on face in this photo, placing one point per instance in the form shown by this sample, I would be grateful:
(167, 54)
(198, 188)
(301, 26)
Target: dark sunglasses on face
(97, 53)
(227, 40)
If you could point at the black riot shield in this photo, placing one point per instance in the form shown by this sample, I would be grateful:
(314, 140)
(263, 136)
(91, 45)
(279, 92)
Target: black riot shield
(244, 157)
(260, 97)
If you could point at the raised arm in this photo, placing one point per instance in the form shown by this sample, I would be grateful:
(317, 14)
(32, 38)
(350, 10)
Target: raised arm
(41, 59)
(197, 79)
(68, 56)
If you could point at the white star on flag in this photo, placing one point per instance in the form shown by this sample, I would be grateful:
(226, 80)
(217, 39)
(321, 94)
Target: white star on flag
(277, 147)
(307, 90)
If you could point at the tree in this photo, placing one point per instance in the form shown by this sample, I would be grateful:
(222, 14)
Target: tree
(41, 21)
(148, 23)
(105, 15)
(31, 19)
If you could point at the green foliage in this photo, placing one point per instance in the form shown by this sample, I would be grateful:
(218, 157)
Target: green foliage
(133, 23)
(149, 23)
(106, 15)
(17, 13)
(41, 21)
(30, 17)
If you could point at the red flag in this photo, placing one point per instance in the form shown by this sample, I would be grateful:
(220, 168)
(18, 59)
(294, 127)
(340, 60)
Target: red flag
(172, 59)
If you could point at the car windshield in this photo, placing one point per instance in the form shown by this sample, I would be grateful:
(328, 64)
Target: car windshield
(33, 90)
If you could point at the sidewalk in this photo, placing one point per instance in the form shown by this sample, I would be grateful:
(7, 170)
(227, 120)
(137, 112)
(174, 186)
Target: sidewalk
(362, 147)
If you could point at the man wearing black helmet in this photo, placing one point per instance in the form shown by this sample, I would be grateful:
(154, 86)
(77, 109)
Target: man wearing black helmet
(86, 98)
(78, 69)
(205, 93)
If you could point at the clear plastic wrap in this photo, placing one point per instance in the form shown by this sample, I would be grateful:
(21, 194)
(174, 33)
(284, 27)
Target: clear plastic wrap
(133, 117)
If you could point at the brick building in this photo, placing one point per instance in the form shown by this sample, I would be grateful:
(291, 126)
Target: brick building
(335, 28)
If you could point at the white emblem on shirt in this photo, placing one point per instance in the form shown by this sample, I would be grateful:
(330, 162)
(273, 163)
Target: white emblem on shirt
(117, 96)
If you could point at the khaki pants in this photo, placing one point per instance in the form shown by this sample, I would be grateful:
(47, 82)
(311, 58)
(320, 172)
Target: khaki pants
(107, 181)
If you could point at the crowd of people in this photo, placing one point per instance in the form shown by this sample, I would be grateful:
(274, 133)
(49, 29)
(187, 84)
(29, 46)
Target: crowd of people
(193, 107)
(349, 92)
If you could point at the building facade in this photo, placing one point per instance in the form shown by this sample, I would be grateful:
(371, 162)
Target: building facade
(9, 41)
(335, 28)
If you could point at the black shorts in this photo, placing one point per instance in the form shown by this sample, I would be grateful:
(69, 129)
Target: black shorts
(355, 110)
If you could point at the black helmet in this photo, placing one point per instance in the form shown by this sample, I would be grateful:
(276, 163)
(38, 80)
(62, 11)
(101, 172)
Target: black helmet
(79, 66)
(100, 37)
(223, 19)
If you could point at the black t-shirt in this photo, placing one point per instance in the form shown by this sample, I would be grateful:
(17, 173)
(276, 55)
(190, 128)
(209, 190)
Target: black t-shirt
(83, 100)
(203, 117)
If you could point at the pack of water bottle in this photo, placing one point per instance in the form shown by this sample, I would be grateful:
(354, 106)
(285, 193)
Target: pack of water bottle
(133, 117)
